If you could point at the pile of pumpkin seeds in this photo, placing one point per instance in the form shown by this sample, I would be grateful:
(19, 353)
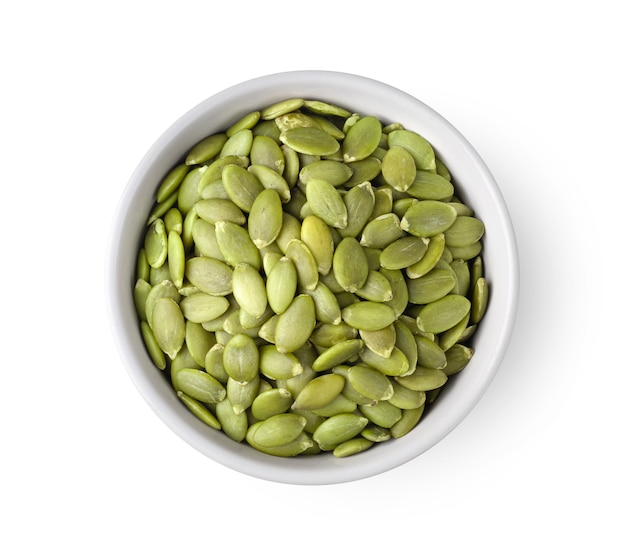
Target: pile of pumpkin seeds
(310, 280)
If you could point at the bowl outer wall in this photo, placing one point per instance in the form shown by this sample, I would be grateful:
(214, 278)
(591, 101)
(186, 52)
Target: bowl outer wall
(476, 187)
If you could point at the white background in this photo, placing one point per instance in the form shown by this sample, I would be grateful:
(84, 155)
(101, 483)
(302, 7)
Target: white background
(537, 87)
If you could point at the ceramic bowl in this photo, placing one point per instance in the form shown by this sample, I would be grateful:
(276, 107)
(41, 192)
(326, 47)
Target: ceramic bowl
(475, 186)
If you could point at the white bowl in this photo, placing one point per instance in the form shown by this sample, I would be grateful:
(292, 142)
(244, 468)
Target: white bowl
(474, 184)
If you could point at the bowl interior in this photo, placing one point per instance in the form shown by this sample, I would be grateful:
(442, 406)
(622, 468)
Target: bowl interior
(476, 187)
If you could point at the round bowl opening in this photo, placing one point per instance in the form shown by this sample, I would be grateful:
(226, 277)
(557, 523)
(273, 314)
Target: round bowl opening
(473, 182)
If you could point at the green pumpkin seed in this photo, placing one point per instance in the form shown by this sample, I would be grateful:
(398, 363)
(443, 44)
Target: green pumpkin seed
(281, 285)
(271, 402)
(376, 288)
(201, 307)
(334, 172)
(431, 287)
(236, 245)
(164, 288)
(270, 179)
(398, 168)
(206, 149)
(381, 231)
(352, 447)
(370, 382)
(405, 342)
(200, 411)
(214, 171)
(168, 326)
(205, 240)
(304, 262)
(396, 364)
(302, 444)
(455, 334)
(465, 252)
(239, 144)
(428, 218)
(249, 290)
(465, 231)
(318, 238)
(241, 186)
(214, 210)
(173, 220)
(403, 252)
(430, 186)
(324, 108)
(382, 414)
(295, 325)
(400, 299)
(154, 350)
(310, 141)
(480, 298)
(350, 265)
(408, 421)
(423, 379)
(198, 341)
(214, 363)
(241, 358)
(327, 310)
(443, 314)
(155, 243)
(359, 202)
(383, 203)
(281, 108)
(277, 365)
(171, 182)
(140, 294)
(419, 148)
(368, 315)
(376, 434)
(290, 230)
(457, 358)
(337, 354)
(364, 170)
(242, 394)
(381, 341)
(327, 203)
(277, 430)
(265, 151)
(327, 335)
(405, 398)
(338, 429)
(430, 353)
(210, 275)
(434, 252)
(248, 121)
(176, 258)
(200, 386)
(189, 191)
(234, 425)
(319, 392)
(362, 139)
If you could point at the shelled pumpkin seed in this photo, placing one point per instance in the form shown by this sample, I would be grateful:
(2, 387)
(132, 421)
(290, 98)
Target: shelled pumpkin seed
(309, 280)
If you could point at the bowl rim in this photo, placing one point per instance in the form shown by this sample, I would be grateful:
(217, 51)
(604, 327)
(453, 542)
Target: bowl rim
(219, 448)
